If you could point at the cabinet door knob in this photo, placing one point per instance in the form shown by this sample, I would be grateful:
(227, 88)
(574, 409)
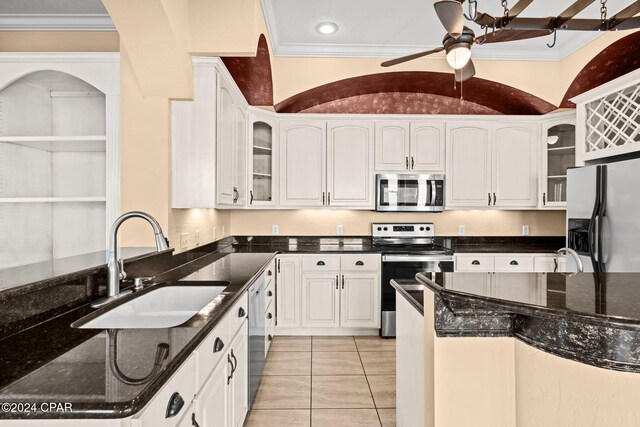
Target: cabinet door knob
(514, 262)
(320, 263)
(475, 262)
(218, 345)
(176, 402)
(241, 312)
(360, 263)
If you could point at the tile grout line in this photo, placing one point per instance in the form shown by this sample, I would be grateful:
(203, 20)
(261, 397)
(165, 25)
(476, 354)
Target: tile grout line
(375, 405)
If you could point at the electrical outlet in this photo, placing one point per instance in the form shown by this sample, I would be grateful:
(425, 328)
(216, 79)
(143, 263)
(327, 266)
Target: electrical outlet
(461, 230)
(197, 238)
(184, 240)
(340, 230)
(275, 229)
(525, 230)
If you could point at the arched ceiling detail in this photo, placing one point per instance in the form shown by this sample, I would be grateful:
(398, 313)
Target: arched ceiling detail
(414, 92)
(253, 74)
(618, 59)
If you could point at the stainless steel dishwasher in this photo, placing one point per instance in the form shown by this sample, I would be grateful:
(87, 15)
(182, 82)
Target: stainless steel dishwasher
(257, 332)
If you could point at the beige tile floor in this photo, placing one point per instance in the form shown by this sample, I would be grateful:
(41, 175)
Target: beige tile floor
(327, 381)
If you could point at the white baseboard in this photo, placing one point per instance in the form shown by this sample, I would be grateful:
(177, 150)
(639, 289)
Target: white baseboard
(278, 331)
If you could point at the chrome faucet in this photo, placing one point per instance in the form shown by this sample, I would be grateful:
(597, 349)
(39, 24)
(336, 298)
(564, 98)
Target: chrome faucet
(115, 265)
(574, 254)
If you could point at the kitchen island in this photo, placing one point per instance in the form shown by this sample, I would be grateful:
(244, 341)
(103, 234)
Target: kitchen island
(528, 349)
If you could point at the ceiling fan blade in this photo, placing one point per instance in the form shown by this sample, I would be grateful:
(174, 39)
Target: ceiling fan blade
(466, 72)
(451, 16)
(506, 35)
(626, 13)
(572, 11)
(410, 57)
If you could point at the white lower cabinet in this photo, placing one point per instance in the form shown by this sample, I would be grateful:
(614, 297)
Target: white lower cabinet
(331, 292)
(320, 300)
(213, 400)
(410, 365)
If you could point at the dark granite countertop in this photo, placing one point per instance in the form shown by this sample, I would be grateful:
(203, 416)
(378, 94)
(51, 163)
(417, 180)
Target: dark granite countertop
(516, 244)
(54, 362)
(592, 318)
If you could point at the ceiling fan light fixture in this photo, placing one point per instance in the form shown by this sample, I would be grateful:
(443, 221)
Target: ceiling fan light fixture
(326, 28)
(458, 56)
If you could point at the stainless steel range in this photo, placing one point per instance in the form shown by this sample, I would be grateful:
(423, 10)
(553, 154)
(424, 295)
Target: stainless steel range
(407, 249)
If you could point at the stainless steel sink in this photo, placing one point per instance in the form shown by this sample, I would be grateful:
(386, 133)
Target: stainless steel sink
(164, 307)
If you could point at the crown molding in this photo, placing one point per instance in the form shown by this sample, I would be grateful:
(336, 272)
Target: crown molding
(56, 23)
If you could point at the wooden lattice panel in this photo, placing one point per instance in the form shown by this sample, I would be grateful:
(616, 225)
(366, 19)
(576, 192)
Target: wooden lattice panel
(614, 120)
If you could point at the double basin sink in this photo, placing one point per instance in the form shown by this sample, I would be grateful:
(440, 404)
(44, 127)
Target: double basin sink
(163, 306)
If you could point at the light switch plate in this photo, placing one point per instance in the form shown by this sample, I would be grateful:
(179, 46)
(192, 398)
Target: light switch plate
(340, 230)
(184, 240)
(461, 230)
(525, 230)
(275, 229)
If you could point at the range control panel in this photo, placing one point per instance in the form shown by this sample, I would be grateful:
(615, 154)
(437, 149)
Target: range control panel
(423, 229)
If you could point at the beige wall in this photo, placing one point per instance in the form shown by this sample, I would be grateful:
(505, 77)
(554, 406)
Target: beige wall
(357, 223)
(59, 41)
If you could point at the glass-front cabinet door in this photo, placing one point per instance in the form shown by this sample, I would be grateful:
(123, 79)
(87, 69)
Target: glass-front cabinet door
(559, 154)
(262, 149)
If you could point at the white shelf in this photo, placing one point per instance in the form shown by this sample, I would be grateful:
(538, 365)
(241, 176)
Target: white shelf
(51, 199)
(59, 143)
(556, 176)
(561, 148)
(258, 147)
(268, 175)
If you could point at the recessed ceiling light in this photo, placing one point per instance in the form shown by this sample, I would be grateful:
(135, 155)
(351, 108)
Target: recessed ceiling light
(326, 28)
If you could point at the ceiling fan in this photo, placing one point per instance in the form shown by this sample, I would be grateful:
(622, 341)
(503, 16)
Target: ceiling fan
(459, 39)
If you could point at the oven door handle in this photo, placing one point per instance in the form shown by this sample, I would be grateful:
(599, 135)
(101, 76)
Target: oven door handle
(415, 258)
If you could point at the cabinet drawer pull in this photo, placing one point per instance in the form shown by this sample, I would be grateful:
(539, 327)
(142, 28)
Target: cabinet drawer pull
(269, 316)
(475, 262)
(343, 281)
(323, 193)
(544, 199)
(406, 163)
(241, 312)
(555, 265)
(194, 423)
(235, 363)
(176, 402)
(360, 263)
(231, 374)
(489, 196)
(328, 198)
(412, 162)
(514, 262)
(336, 281)
(251, 195)
(494, 199)
(218, 345)
(278, 266)
(320, 263)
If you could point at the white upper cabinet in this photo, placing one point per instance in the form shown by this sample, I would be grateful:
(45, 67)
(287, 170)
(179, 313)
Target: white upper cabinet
(558, 153)
(193, 136)
(225, 142)
(262, 157)
(492, 164)
(302, 163)
(231, 143)
(350, 178)
(427, 147)
(326, 164)
(515, 165)
(392, 146)
(468, 154)
(409, 146)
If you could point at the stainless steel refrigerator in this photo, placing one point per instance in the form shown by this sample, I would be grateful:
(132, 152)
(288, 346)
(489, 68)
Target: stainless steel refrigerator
(603, 216)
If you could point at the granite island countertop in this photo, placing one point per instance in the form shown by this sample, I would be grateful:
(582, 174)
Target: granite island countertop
(586, 317)
(55, 362)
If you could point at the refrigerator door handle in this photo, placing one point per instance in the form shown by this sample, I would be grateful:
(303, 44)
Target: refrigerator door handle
(592, 231)
(600, 222)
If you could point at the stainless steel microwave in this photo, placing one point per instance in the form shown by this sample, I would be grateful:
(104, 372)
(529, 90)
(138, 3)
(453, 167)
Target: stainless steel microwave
(409, 193)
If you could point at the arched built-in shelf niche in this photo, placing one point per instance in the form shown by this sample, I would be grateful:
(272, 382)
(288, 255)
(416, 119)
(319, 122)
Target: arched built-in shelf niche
(59, 172)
